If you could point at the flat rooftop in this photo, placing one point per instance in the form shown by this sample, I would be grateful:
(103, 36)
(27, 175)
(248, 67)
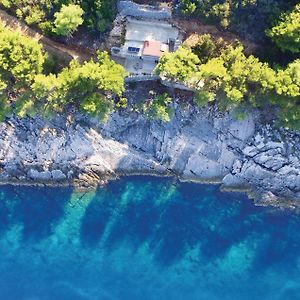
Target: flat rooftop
(146, 31)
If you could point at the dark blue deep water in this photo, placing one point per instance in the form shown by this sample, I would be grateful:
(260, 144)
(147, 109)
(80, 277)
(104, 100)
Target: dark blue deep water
(145, 238)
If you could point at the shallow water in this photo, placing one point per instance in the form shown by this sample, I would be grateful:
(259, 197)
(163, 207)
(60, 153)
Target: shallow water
(145, 238)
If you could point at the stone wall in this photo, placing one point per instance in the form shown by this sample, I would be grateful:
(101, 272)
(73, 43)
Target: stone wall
(140, 78)
(170, 84)
(176, 85)
(129, 8)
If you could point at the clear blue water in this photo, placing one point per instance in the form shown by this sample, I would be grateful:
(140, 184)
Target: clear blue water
(145, 238)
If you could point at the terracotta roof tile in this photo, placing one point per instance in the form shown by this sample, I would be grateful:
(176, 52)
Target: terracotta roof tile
(152, 48)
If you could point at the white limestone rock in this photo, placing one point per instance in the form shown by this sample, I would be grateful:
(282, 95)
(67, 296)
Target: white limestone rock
(58, 175)
(39, 176)
(196, 144)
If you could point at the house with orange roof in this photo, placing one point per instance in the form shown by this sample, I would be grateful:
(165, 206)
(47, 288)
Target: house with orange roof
(145, 42)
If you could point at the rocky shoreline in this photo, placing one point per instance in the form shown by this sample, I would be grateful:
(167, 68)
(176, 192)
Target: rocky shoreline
(197, 145)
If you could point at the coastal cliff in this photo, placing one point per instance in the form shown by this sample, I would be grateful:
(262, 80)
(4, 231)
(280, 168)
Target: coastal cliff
(197, 144)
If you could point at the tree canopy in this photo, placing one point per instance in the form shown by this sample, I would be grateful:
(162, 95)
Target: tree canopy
(249, 18)
(286, 32)
(233, 79)
(180, 65)
(159, 108)
(93, 86)
(90, 86)
(68, 19)
(97, 14)
(21, 58)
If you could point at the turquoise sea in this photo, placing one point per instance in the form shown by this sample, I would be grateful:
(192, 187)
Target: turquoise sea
(145, 238)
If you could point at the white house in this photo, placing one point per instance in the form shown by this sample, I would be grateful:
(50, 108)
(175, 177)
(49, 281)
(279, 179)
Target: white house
(145, 43)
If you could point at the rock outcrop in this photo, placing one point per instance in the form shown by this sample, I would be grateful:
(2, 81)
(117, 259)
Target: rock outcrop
(199, 145)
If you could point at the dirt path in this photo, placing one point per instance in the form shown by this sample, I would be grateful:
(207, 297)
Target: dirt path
(56, 49)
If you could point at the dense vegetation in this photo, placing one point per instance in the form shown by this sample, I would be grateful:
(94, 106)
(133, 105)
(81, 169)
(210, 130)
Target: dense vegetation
(223, 73)
(21, 59)
(286, 32)
(159, 108)
(97, 14)
(67, 19)
(248, 17)
(93, 87)
(217, 71)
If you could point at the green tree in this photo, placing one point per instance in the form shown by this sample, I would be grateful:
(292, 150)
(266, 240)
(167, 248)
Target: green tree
(287, 94)
(249, 18)
(288, 80)
(94, 87)
(286, 33)
(4, 103)
(99, 14)
(246, 77)
(222, 11)
(159, 108)
(180, 65)
(68, 19)
(206, 47)
(5, 108)
(202, 97)
(91, 86)
(232, 77)
(36, 16)
(21, 58)
(188, 7)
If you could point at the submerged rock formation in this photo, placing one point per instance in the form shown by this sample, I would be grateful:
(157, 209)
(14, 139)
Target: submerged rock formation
(200, 145)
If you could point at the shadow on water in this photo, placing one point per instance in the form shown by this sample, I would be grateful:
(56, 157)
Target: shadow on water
(4, 211)
(281, 241)
(169, 218)
(142, 231)
(173, 218)
(124, 211)
(96, 217)
(38, 209)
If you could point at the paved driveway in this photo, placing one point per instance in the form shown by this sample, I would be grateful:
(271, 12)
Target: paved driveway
(139, 66)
